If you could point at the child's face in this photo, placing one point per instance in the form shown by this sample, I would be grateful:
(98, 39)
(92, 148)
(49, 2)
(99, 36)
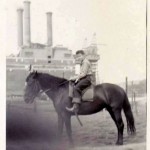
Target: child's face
(79, 57)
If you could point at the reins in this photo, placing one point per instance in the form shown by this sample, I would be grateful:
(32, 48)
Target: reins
(64, 82)
(42, 91)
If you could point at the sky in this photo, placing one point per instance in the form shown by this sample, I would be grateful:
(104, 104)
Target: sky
(120, 25)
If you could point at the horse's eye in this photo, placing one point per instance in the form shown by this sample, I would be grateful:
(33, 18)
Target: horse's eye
(30, 81)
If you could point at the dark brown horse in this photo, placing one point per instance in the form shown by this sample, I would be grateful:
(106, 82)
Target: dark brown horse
(109, 96)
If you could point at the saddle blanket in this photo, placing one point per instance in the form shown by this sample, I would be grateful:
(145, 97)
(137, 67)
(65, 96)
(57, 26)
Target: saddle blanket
(87, 94)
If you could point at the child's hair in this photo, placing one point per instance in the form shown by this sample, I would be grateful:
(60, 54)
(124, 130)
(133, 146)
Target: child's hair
(80, 52)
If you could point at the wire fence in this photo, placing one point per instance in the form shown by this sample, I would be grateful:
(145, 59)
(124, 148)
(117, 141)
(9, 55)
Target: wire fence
(17, 101)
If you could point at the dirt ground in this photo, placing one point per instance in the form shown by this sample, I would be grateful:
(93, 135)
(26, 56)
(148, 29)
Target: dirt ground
(30, 130)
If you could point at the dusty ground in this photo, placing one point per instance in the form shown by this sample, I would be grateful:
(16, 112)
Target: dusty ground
(29, 130)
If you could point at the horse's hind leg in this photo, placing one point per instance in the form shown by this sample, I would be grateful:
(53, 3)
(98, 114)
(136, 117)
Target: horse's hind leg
(116, 116)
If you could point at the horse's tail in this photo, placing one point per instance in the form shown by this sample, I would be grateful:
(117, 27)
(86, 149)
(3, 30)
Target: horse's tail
(129, 116)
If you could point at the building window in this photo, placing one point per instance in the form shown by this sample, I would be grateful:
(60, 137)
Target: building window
(28, 54)
(49, 59)
(67, 55)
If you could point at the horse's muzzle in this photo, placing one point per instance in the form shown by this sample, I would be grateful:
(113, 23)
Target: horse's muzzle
(28, 99)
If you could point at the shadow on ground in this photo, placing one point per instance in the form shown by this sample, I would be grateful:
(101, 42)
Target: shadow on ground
(29, 130)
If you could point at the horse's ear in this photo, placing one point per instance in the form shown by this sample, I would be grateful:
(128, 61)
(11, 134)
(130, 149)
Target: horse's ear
(35, 74)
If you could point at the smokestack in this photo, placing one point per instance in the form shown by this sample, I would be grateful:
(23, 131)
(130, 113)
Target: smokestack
(27, 34)
(20, 27)
(49, 29)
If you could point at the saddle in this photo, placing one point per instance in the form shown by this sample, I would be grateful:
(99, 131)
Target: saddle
(87, 94)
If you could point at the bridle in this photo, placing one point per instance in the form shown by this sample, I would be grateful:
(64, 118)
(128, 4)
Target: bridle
(39, 86)
(42, 91)
(45, 91)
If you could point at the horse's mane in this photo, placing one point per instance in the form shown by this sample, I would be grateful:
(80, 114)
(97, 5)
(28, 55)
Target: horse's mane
(48, 79)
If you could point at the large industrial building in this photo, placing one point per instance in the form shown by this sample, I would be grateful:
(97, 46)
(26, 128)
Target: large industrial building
(37, 50)
(57, 60)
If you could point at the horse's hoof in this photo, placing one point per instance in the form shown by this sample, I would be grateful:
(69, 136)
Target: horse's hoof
(119, 143)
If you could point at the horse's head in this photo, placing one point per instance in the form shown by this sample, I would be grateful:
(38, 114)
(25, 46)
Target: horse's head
(32, 87)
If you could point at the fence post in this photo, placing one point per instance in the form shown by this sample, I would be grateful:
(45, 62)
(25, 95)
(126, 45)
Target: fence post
(127, 85)
(132, 96)
(135, 103)
(63, 74)
(35, 106)
(8, 103)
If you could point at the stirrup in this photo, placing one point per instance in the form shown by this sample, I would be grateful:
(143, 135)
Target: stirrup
(72, 109)
(75, 111)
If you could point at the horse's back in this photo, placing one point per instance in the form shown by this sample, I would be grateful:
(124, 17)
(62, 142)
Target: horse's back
(112, 92)
(110, 87)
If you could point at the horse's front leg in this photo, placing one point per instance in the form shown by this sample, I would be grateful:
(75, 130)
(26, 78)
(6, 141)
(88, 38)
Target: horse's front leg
(60, 126)
(67, 119)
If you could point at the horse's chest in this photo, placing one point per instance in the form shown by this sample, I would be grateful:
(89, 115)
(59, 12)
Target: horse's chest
(61, 99)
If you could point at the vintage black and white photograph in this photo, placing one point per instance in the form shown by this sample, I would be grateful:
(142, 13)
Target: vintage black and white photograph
(76, 74)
